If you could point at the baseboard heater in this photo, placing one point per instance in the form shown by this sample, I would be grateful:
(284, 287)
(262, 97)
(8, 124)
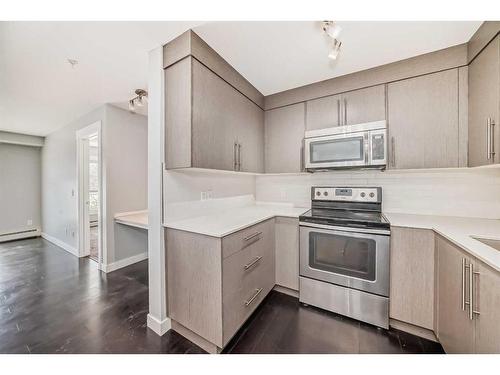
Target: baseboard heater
(34, 232)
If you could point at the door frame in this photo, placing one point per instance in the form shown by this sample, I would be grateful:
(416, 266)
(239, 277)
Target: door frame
(82, 135)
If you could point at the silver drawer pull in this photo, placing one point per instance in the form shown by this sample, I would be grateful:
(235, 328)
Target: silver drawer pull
(252, 263)
(248, 238)
(257, 292)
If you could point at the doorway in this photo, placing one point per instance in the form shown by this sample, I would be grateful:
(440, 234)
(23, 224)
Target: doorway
(90, 197)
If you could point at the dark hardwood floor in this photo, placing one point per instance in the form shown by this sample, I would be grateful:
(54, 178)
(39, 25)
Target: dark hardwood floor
(52, 302)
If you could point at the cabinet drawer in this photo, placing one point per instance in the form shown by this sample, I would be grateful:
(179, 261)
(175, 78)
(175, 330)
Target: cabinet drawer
(247, 277)
(261, 232)
(244, 290)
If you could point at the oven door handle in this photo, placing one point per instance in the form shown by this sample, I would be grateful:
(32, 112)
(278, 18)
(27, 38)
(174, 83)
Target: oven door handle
(345, 229)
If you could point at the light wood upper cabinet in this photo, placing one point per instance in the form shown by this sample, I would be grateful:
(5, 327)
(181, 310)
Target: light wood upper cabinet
(455, 330)
(284, 135)
(323, 112)
(287, 252)
(365, 105)
(484, 105)
(423, 121)
(487, 302)
(209, 123)
(349, 108)
(412, 276)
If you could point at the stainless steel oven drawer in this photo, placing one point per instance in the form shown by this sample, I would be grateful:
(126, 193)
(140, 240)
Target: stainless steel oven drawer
(353, 303)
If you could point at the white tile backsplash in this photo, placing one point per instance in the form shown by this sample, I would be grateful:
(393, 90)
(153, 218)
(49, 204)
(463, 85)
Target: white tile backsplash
(466, 192)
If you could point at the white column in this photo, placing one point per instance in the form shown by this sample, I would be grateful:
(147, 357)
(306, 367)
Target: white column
(157, 317)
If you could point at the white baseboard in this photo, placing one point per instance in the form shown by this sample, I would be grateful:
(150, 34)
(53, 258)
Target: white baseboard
(159, 327)
(26, 233)
(63, 245)
(123, 262)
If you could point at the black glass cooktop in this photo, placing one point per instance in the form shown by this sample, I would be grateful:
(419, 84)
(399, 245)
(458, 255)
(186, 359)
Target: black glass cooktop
(350, 218)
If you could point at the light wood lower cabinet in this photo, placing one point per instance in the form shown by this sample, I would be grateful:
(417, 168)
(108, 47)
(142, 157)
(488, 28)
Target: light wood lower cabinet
(215, 284)
(459, 331)
(455, 330)
(412, 276)
(287, 252)
(487, 303)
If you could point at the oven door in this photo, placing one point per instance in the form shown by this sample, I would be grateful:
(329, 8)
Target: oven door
(340, 150)
(348, 258)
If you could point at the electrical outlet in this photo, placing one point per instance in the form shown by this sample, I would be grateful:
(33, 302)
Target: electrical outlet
(29, 222)
(205, 195)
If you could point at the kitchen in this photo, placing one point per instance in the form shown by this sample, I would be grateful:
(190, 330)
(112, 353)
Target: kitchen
(371, 195)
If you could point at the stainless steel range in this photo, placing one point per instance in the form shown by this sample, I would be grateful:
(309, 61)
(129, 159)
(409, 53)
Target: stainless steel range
(344, 253)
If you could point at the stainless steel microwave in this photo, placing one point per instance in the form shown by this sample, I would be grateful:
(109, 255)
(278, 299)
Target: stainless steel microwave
(350, 146)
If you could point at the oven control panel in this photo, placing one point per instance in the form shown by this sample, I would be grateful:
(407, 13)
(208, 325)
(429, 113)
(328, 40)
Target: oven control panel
(349, 194)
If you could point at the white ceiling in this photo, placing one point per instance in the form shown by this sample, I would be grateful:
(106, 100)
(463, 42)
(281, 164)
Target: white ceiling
(277, 56)
(41, 92)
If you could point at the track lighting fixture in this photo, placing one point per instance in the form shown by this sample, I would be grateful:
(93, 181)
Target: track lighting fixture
(332, 29)
(138, 100)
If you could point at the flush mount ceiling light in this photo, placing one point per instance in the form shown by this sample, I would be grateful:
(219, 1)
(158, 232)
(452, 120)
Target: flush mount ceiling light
(332, 29)
(138, 101)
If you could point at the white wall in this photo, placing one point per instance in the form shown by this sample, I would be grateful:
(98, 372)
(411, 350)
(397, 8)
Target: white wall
(124, 148)
(20, 179)
(125, 153)
(59, 180)
(187, 185)
(468, 192)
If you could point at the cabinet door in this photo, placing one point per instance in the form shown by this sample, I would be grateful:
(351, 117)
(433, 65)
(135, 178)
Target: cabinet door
(214, 110)
(287, 252)
(284, 135)
(365, 105)
(423, 121)
(250, 136)
(323, 112)
(484, 101)
(487, 302)
(412, 276)
(455, 329)
(221, 117)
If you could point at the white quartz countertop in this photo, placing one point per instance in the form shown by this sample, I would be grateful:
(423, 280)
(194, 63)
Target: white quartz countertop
(137, 219)
(458, 230)
(230, 220)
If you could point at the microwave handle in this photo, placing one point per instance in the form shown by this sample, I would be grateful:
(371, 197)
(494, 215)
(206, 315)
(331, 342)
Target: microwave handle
(338, 112)
(393, 152)
(367, 148)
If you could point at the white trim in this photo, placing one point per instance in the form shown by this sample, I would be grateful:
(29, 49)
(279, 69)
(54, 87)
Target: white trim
(63, 245)
(123, 262)
(156, 241)
(24, 233)
(159, 327)
(82, 134)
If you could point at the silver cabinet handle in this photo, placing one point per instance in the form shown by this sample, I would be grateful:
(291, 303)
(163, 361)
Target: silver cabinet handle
(463, 284)
(235, 156)
(248, 238)
(239, 156)
(302, 157)
(490, 141)
(345, 111)
(257, 292)
(252, 263)
(338, 112)
(393, 152)
(471, 292)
